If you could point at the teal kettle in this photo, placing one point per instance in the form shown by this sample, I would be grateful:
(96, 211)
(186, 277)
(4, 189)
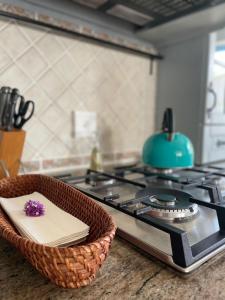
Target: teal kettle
(168, 149)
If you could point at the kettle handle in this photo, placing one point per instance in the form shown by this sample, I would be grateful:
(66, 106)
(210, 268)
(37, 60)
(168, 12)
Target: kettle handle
(168, 124)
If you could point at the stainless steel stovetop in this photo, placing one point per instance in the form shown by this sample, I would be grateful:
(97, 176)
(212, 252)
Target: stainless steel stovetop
(178, 217)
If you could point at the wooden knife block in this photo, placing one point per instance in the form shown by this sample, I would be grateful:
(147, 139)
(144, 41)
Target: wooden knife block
(11, 148)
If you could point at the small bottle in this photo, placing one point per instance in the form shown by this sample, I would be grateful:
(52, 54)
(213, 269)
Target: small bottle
(96, 163)
(96, 160)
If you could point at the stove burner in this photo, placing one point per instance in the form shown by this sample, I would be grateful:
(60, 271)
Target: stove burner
(169, 205)
(101, 182)
(163, 199)
(161, 171)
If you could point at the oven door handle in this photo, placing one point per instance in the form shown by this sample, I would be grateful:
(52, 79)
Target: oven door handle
(211, 91)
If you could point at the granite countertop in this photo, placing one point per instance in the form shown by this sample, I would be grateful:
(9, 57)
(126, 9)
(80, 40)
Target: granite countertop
(126, 274)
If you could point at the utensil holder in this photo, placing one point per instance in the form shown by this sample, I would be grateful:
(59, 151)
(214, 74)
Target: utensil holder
(11, 148)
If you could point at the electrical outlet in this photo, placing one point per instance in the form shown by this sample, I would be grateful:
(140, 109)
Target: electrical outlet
(85, 124)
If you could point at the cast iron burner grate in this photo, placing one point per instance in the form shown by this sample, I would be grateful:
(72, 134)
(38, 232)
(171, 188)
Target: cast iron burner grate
(140, 207)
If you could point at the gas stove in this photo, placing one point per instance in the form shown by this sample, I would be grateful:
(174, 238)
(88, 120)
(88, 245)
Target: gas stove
(176, 216)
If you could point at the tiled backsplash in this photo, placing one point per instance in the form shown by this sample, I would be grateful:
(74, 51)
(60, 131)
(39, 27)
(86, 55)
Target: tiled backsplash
(64, 74)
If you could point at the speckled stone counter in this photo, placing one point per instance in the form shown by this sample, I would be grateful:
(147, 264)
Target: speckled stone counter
(126, 274)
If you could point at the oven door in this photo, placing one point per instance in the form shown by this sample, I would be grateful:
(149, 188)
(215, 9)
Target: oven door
(213, 143)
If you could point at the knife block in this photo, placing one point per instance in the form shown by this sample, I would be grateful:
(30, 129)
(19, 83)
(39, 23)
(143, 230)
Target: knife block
(11, 148)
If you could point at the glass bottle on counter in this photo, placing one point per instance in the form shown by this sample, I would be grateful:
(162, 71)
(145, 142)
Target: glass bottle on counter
(96, 163)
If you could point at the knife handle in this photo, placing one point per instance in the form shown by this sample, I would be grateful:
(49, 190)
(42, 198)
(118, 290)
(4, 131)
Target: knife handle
(7, 110)
(12, 106)
(3, 102)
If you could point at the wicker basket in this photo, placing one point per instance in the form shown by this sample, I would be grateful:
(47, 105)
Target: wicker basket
(70, 267)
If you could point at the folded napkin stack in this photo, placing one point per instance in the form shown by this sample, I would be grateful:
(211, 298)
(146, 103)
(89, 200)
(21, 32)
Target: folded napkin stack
(55, 228)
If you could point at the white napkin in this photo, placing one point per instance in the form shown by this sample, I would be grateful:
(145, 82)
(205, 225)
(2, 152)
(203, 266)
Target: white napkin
(55, 228)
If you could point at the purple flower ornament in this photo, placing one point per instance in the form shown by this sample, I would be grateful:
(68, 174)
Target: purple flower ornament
(33, 208)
